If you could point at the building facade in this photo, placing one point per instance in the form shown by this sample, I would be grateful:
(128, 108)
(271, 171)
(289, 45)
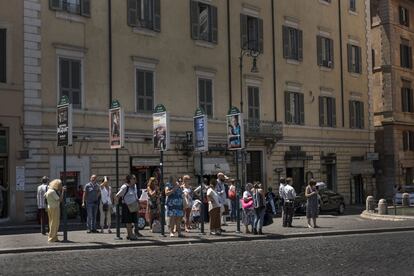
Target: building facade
(301, 80)
(392, 41)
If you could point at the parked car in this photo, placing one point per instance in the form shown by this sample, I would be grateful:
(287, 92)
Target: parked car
(328, 200)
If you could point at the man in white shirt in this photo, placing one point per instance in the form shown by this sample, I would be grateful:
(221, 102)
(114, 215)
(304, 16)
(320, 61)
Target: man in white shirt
(289, 195)
(41, 204)
(282, 183)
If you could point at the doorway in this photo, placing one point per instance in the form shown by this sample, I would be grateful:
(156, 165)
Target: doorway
(331, 177)
(298, 176)
(254, 166)
(359, 189)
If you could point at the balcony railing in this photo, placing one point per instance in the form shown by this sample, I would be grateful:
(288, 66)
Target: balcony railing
(265, 129)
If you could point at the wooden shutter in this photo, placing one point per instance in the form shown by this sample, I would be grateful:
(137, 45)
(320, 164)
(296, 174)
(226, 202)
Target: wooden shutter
(403, 100)
(260, 34)
(3, 55)
(243, 32)
(214, 24)
(410, 57)
(321, 112)
(157, 15)
(285, 34)
(405, 140)
(55, 4)
(359, 60)
(195, 25)
(333, 112)
(361, 112)
(349, 50)
(301, 107)
(132, 9)
(319, 49)
(351, 114)
(145, 22)
(401, 12)
(288, 114)
(331, 53)
(85, 6)
(401, 55)
(300, 45)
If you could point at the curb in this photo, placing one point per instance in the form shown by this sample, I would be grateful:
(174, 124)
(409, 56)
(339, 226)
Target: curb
(147, 243)
(375, 216)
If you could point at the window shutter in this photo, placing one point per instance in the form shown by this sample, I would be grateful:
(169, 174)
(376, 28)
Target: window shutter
(405, 140)
(349, 48)
(410, 100)
(401, 12)
(359, 60)
(260, 34)
(85, 7)
(407, 17)
(403, 100)
(333, 112)
(321, 112)
(55, 4)
(3, 55)
(285, 31)
(132, 13)
(411, 141)
(145, 22)
(351, 114)
(331, 54)
(301, 109)
(243, 31)
(410, 58)
(319, 49)
(195, 25)
(361, 106)
(157, 15)
(401, 55)
(214, 24)
(288, 114)
(300, 45)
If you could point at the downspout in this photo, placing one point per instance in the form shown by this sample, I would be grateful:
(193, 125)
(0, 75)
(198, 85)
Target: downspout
(110, 50)
(341, 62)
(229, 52)
(274, 61)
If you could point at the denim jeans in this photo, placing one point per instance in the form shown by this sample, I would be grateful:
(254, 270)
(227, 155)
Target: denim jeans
(233, 214)
(92, 210)
(258, 218)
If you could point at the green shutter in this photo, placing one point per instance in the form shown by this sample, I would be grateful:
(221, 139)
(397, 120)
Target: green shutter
(362, 113)
(55, 4)
(132, 8)
(403, 100)
(405, 140)
(349, 50)
(319, 49)
(3, 55)
(146, 22)
(321, 112)
(333, 112)
(410, 57)
(85, 7)
(331, 53)
(359, 60)
(301, 107)
(157, 15)
(300, 45)
(214, 24)
(195, 25)
(285, 31)
(288, 115)
(351, 114)
(260, 34)
(243, 32)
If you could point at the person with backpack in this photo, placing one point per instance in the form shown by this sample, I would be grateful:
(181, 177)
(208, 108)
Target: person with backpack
(128, 195)
(259, 204)
(233, 200)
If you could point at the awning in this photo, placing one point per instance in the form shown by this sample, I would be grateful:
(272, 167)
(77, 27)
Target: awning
(362, 167)
(211, 165)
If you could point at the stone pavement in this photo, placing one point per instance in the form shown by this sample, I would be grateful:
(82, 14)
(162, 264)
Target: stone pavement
(329, 225)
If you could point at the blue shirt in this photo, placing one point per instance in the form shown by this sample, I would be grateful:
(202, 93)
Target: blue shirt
(92, 191)
(174, 202)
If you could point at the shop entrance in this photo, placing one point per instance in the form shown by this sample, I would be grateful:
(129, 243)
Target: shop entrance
(298, 176)
(359, 189)
(254, 166)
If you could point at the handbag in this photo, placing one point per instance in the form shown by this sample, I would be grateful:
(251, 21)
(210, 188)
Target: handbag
(105, 207)
(248, 204)
(267, 219)
(133, 207)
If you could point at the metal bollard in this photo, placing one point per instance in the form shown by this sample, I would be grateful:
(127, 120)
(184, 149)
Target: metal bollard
(406, 200)
(370, 207)
(382, 207)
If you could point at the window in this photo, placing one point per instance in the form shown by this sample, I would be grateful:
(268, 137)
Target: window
(251, 30)
(405, 54)
(144, 14)
(352, 5)
(327, 112)
(408, 141)
(145, 91)
(325, 51)
(70, 81)
(253, 102)
(292, 43)
(356, 114)
(294, 108)
(80, 7)
(3, 55)
(205, 95)
(409, 176)
(407, 97)
(404, 16)
(203, 22)
(354, 59)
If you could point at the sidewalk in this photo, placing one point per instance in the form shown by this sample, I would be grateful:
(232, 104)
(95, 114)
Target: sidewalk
(329, 225)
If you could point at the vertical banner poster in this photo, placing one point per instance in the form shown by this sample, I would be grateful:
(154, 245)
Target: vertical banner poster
(161, 132)
(201, 133)
(235, 130)
(116, 128)
(64, 123)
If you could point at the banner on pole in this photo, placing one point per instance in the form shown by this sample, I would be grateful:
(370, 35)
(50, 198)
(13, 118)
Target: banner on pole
(200, 131)
(235, 130)
(116, 128)
(161, 131)
(64, 122)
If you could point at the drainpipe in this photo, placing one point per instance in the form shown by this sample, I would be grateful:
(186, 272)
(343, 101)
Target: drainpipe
(274, 60)
(229, 52)
(341, 62)
(110, 50)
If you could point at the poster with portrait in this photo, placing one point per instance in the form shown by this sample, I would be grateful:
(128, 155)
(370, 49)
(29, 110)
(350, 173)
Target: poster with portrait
(116, 128)
(161, 132)
(201, 133)
(64, 125)
(235, 131)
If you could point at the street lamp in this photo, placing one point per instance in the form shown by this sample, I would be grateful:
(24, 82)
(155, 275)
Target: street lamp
(250, 52)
